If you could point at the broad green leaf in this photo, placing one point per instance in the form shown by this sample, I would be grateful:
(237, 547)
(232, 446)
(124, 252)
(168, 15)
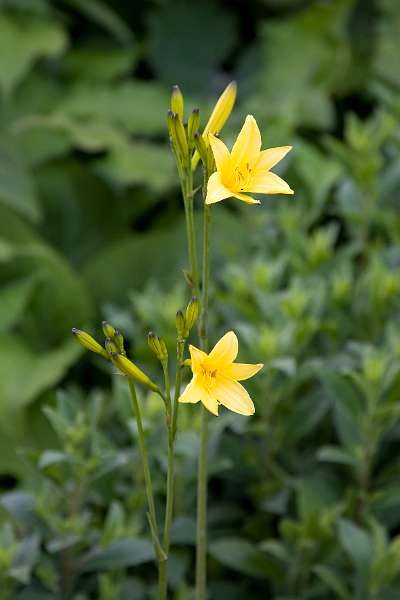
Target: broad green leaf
(337, 455)
(14, 299)
(22, 42)
(17, 188)
(356, 542)
(243, 556)
(97, 63)
(138, 163)
(333, 581)
(24, 373)
(21, 506)
(136, 106)
(126, 264)
(123, 553)
(315, 494)
(99, 12)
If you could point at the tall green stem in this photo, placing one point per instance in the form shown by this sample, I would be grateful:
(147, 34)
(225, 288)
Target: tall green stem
(163, 571)
(171, 427)
(146, 470)
(190, 228)
(201, 537)
(180, 347)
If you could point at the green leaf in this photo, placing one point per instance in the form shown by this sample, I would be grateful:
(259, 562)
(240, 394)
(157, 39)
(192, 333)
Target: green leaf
(136, 106)
(125, 265)
(356, 542)
(24, 373)
(103, 15)
(96, 63)
(61, 300)
(128, 552)
(22, 41)
(315, 494)
(138, 163)
(14, 300)
(17, 189)
(333, 581)
(337, 455)
(240, 555)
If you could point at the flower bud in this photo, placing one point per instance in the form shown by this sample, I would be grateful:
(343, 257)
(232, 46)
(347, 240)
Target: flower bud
(180, 323)
(192, 313)
(108, 329)
(119, 341)
(158, 346)
(128, 368)
(177, 101)
(219, 115)
(222, 110)
(201, 149)
(170, 125)
(88, 342)
(115, 336)
(179, 136)
(111, 346)
(193, 126)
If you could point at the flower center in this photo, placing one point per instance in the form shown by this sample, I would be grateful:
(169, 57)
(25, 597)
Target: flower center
(241, 177)
(208, 377)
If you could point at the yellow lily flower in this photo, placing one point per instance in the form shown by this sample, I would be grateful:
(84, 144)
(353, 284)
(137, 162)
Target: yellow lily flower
(216, 378)
(246, 169)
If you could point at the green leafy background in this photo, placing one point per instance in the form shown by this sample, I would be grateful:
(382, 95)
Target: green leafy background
(304, 497)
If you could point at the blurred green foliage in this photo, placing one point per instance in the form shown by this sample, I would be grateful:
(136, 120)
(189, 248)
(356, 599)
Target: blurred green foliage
(305, 496)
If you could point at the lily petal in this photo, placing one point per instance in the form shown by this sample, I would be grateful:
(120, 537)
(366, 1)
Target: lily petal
(220, 151)
(241, 371)
(268, 183)
(225, 351)
(247, 199)
(193, 392)
(197, 357)
(248, 143)
(233, 396)
(269, 158)
(216, 191)
(210, 402)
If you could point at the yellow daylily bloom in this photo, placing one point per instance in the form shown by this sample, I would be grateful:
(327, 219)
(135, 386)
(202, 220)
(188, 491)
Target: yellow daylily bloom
(246, 169)
(216, 378)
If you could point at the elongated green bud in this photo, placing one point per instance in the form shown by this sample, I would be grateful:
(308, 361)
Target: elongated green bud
(180, 323)
(201, 148)
(157, 345)
(192, 313)
(115, 336)
(177, 101)
(108, 329)
(119, 340)
(170, 125)
(180, 136)
(111, 346)
(193, 126)
(128, 368)
(88, 342)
